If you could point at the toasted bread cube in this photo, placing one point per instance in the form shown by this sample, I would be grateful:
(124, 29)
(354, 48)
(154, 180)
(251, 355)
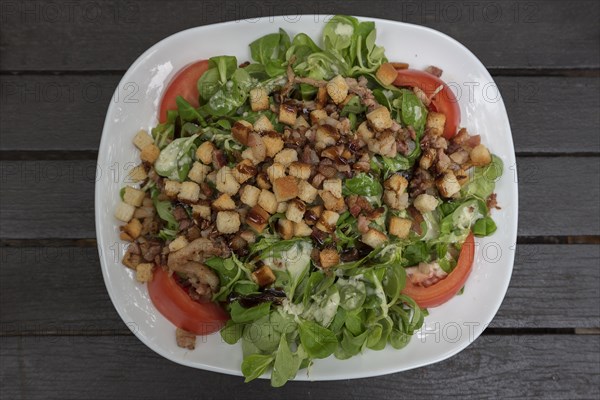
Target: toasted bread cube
(425, 203)
(334, 186)
(276, 171)
(285, 228)
(286, 157)
(240, 131)
(259, 99)
(263, 181)
(190, 191)
(321, 98)
(332, 202)
(326, 135)
(247, 154)
(249, 195)
(142, 139)
(201, 210)
(386, 73)
(480, 156)
(328, 258)
(137, 174)
(462, 177)
(460, 156)
(133, 196)
(287, 114)
(226, 182)
(244, 171)
(307, 192)
(125, 236)
(198, 172)
(337, 89)
(172, 188)
(185, 339)
(263, 276)
(179, 243)
(374, 238)
(257, 218)
(263, 124)
(273, 143)
(285, 188)
(400, 227)
(435, 123)
(447, 184)
(328, 221)
(301, 229)
(397, 183)
(300, 170)
(380, 118)
(364, 132)
(228, 221)
(267, 201)
(133, 228)
(427, 158)
(150, 153)
(124, 211)
(143, 272)
(301, 123)
(317, 115)
(224, 203)
(394, 200)
(295, 210)
(282, 207)
(204, 152)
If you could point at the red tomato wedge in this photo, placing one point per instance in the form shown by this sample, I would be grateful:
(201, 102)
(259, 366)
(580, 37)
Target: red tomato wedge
(184, 84)
(444, 290)
(176, 305)
(443, 102)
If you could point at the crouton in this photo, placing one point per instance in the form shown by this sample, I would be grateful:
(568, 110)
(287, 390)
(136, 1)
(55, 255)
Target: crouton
(257, 218)
(185, 339)
(285, 188)
(249, 195)
(326, 135)
(300, 170)
(150, 153)
(201, 210)
(257, 144)
(462, 177)
(142, 139)
(397, 183)
(386, 73)
(143, 272)
(301, 123)
(224, 203)
(385, 145)
(172, 188)
(435, 123)
(262, 181)
(460, 156)
(321, 98)
(317, 115)
(137, 174)
(364, 132)
(190, 192)
(329, 257)
(427, 158)
(179, 243)
(248, 155)
(285, 228)
(204, 152)
(295, 210)
(259, 99)
(380, 118)
(124, 211)
(312, 215)
(240, 131)
(287, 114)
(331, 202)
(447, 184)
(263, 124)
(273, 143)
(244, 170)
(198, 172)
(373, 238)
(301, 229)
(226, 182)
(337, 89)
(267, 201)
(133, 228)
(228, 221)
(480, 156)
(394, 200)
(334, 186)
(425, 203)
(282, 206)
(263, 276)
(307, 192)
(125, 236)
(286, 157)
(400, 227)
(328, 221)
(133, 196)
(276, 171)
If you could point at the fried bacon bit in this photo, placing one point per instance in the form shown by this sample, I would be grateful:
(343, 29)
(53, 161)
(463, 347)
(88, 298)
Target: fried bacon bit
(492, 202)
(185, 339)
(435, 71)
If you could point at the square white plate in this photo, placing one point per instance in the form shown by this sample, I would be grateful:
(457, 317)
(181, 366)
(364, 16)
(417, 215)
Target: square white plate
(447, 330)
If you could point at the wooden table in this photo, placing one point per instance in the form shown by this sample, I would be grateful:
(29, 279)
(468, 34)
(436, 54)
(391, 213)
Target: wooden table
(60, 336)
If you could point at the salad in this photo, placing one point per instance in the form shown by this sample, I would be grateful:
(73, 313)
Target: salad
(312, 202)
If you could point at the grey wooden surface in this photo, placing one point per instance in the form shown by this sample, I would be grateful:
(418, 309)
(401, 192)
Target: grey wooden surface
(60, 336)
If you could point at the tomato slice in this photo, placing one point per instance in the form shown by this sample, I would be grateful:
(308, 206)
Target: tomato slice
(184, 84)
(444, 101)
(444, 290)
(176, 305)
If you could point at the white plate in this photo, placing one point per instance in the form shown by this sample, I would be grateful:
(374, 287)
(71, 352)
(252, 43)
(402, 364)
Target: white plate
(447, 330)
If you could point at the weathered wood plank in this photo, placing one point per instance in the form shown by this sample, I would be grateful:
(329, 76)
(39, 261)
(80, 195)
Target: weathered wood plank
(549, 367)
(110, 35)
(542, 111)
(541, 293)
